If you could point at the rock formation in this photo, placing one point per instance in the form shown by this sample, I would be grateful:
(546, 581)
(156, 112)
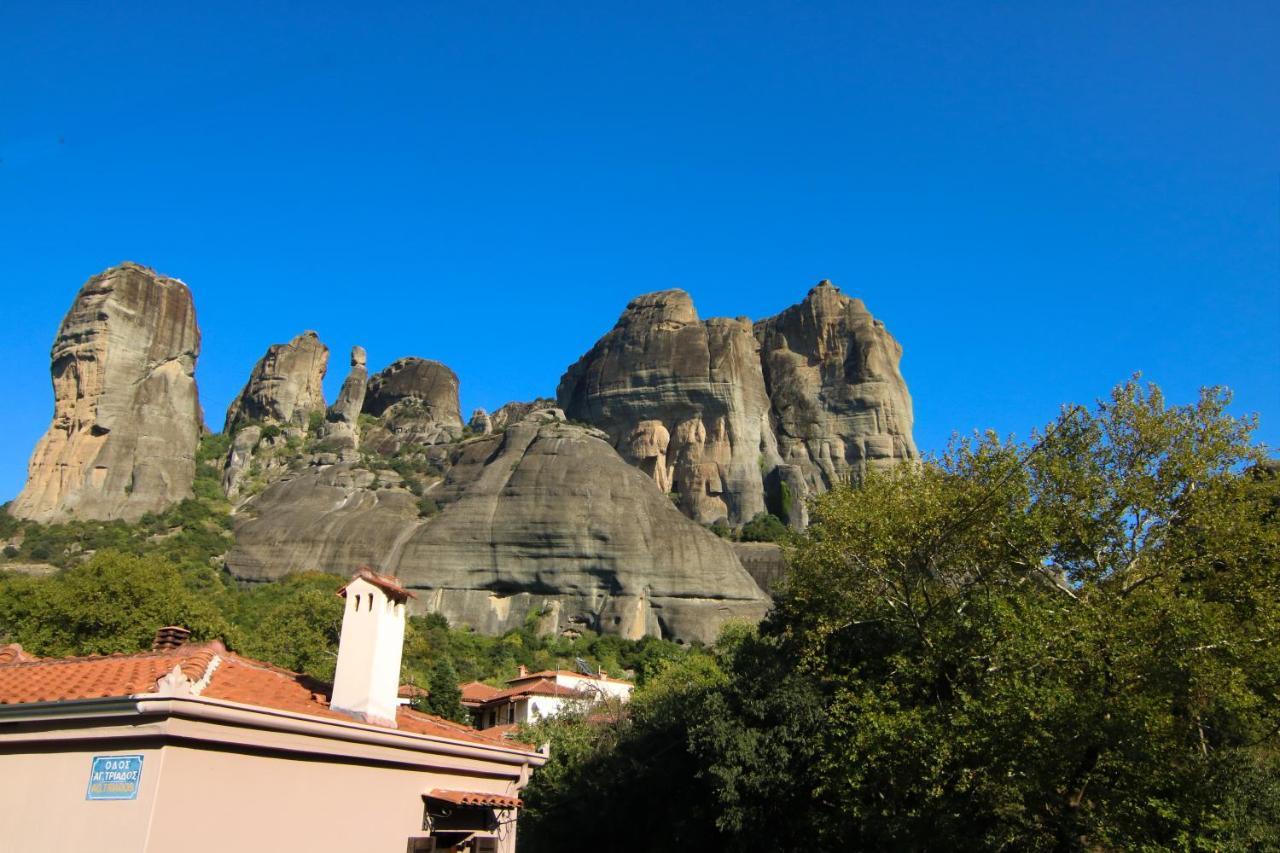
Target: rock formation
(286, 385)
(346, 409)
(734, 418)
(544, 517)
(416, 400)
(684, 401)
(126, 418)
(480, 423)
(432, 385)
(483, 423)
(341, 433)
(840, 405)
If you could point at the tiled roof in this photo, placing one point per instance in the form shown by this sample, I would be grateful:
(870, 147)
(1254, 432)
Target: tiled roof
(233, 679)
(478, 691)
(541, 687)
(552, 673)
(31, 679)
(471, 798)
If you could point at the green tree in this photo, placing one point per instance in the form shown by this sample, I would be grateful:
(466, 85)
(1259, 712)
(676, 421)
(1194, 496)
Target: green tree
(294, 623)
(1066, 645)
(610, 764)
(114, 602)
(444, 698)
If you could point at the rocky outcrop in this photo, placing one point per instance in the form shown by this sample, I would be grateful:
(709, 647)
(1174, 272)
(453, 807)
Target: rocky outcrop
(346, 409)
(341, 433)
(416, 401)
(430, 384)
(544, 517)
(480, 423)
(840, 405)
(126, 418)
(734, 418)
(684, 401)
(483, 423)
(285, 387)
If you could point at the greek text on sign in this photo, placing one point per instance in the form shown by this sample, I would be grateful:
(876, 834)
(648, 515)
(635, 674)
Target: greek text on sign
(114, 777)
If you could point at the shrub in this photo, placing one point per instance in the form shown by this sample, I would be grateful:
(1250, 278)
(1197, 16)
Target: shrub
(765, 527)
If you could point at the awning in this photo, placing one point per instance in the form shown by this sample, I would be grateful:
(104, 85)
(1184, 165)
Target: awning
(473, 798)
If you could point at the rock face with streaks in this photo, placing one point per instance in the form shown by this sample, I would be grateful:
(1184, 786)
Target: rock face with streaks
(544, 516)
(684, 401)
(286, 385)
(735, 419)
(126, 418)
(840, 405)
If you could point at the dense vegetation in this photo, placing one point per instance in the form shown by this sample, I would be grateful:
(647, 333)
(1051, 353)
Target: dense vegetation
(1071, 644)
(116, 583)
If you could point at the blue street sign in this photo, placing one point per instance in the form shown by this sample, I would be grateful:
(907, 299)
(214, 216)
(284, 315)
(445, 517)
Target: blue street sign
(114, 777)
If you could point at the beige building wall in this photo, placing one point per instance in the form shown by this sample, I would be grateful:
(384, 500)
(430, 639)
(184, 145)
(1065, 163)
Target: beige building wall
(43, 806)
(199, 795)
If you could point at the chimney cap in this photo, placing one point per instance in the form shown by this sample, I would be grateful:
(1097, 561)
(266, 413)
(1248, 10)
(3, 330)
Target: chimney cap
(170, 637)
(389, 584)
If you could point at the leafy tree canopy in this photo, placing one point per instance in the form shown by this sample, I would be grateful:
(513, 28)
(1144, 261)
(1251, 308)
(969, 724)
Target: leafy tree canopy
(1066, 644)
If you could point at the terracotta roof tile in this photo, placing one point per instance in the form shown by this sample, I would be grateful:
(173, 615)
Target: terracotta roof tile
(478, 691)
(472, 798)
(552, 673)
(235, 679)
(541, 687)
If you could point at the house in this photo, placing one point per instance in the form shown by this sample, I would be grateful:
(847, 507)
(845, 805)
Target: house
(530, 697)
(192, 747)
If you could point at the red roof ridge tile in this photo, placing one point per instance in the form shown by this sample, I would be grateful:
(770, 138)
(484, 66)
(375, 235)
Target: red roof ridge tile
(214, 646)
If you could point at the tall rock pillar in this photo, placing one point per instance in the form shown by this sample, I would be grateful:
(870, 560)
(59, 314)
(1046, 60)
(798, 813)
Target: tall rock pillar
(126, 414)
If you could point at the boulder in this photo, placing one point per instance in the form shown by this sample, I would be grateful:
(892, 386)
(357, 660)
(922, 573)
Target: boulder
(285, 387)
(126, 420)
(543, 518)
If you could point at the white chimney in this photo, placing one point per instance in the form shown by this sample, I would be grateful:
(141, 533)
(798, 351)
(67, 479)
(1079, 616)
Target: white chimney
(367, 681)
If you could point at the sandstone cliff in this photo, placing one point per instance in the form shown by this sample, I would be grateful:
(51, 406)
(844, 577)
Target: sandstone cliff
(735, 418)
(544, 517)
(126, 418)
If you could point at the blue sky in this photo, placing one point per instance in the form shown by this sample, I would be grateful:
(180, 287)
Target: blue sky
(1037, 198)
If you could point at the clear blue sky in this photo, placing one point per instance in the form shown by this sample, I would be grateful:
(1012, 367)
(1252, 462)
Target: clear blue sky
(1037, 198)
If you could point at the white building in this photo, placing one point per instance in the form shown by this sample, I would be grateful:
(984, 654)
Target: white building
(530, 697)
